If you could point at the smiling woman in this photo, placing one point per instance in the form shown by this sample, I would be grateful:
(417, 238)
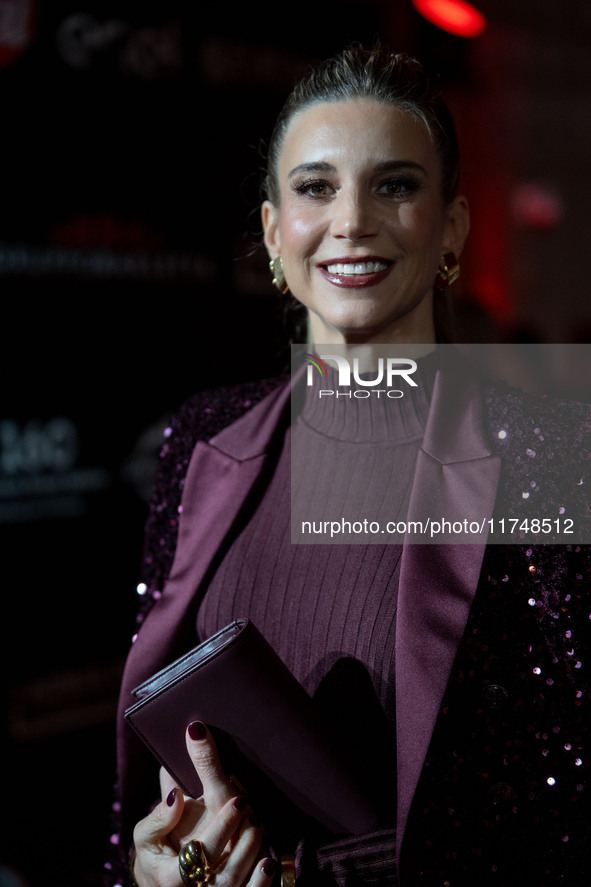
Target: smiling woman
(361, 224)
(425, 660)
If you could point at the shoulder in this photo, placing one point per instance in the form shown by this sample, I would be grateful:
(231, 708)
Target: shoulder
(520, 424)
(208, 412)
(561, 420)
(545, 448)
(201, 417)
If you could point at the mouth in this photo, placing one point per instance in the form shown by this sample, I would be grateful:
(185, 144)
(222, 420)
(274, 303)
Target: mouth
(356, 271)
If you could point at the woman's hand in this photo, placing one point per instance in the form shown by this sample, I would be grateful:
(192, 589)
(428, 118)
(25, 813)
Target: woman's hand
(220, 820)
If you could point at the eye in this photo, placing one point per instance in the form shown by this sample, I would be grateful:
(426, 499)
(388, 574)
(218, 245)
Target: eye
(313, 188)
(399, 186)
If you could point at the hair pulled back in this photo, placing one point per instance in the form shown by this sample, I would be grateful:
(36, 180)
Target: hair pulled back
(392, 78)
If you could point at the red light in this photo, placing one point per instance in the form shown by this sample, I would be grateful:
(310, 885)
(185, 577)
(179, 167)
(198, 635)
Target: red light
(537, 206)
(456, 16)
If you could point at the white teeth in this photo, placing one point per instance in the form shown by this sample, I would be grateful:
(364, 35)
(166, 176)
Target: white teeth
(354, 268)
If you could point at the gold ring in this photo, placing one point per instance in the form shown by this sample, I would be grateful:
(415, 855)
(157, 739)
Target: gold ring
(194, 865)
(288, 871)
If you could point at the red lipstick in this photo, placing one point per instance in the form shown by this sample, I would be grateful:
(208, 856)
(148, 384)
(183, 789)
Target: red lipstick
(346, 277)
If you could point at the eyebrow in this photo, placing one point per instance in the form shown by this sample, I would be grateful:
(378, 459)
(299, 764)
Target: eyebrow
(314, 166)
(383, 166)
(393, 165)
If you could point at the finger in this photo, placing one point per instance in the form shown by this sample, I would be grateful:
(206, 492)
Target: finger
(167, 783)
(203, 752)
(155, 827)
(263, 873)
(223, 828)
(239, 863)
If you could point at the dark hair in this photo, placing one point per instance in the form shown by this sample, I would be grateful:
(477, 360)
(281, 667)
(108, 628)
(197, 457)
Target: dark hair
(377, 74)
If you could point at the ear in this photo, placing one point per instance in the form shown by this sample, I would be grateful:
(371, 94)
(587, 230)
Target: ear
(457, 226)
(270, 220)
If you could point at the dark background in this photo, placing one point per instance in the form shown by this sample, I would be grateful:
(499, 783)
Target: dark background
(130, 277)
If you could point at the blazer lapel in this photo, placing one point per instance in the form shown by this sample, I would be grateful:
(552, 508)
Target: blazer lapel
(456, 478)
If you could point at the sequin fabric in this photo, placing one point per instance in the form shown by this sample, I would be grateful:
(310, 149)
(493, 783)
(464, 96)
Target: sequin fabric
(503, 799)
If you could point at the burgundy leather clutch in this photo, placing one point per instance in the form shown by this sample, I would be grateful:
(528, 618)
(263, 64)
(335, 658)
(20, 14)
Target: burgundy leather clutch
(269, 734)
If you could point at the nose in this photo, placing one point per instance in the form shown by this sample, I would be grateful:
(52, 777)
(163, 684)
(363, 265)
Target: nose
(353, 217)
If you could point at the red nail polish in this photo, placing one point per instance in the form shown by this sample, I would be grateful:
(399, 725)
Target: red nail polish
(197, 730)
(240, 802)
(269, 867)
(171, 797)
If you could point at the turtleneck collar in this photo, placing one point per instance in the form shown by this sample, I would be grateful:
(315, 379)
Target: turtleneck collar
(371, 419)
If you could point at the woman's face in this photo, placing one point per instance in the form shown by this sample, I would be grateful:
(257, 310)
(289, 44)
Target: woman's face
(361, 225)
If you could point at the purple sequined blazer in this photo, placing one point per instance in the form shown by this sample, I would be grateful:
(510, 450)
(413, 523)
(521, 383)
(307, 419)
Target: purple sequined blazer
(493, 694)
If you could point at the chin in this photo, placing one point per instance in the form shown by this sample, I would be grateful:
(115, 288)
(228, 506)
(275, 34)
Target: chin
(356, 334)
(359, 330)
(363, 323)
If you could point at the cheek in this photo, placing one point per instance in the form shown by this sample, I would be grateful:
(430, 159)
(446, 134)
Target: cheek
(299, 229)
(423, 228)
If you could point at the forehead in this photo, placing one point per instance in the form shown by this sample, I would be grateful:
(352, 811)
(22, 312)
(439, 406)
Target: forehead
(356, 132)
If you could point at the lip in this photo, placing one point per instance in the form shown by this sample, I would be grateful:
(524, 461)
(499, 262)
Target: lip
(350, 281)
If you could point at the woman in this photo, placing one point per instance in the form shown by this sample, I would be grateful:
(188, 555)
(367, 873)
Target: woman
(440, 647)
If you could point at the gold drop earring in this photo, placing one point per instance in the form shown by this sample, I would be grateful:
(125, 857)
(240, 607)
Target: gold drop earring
(448, 271)
(276, 268)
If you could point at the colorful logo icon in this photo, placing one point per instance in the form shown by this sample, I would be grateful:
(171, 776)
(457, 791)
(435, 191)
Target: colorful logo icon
(314, 361)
